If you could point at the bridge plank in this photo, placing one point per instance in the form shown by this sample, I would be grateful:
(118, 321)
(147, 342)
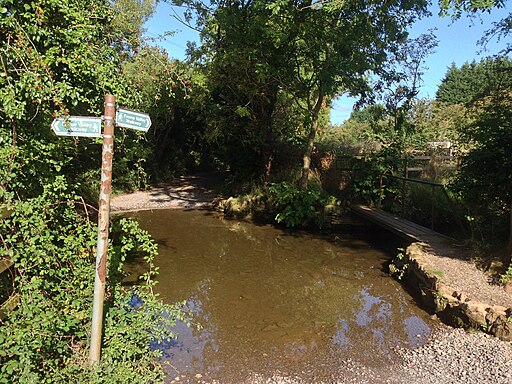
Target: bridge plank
(403, 228)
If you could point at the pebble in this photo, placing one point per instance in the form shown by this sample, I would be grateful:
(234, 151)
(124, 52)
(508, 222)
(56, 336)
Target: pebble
(453, 356)
(450, 356)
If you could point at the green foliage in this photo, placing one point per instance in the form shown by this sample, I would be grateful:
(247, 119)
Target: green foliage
(389, 125)
(398, 267)
(54, 56)
(486, 170)
(245, 101)
(295, 206)
(59, 58)
(455, 8)
(499, 31)
(172, 95)
(363, 132)
(44, 339)
(269, 63)
(439, 121)
(507, 276)
(420, 203)
(130, 16)
(366, 181)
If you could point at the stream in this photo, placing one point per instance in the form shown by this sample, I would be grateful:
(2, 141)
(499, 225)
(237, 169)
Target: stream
(273, 301)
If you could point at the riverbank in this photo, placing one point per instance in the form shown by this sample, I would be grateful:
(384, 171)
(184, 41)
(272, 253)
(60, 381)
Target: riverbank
(451, 356)
(185, 192)
(450, 286)
(448, 356)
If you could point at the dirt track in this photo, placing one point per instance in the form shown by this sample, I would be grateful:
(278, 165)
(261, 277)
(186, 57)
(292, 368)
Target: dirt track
(186, 192)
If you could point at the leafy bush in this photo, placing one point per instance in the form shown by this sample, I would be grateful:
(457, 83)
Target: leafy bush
(51, 240)
(365, 184)
(398, 267)
(507, 276)
(297, 207)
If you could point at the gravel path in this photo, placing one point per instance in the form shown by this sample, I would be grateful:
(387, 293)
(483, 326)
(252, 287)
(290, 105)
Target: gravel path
(451, 356)
(460, 273)
(454, 356)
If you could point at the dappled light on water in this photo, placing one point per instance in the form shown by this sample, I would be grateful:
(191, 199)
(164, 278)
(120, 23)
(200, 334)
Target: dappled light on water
(268, 300)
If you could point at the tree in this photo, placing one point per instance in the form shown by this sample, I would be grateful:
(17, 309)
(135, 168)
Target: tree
(130, 15)
(334, 50)
(467, 83)
(499, 30)
(485, 176)
(173, 94)
(60, 59)
(391, 124)
(311, 52)
(441, 122)
(404, 86)
(239, 61)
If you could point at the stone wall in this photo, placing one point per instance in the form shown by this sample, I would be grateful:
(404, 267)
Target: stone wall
(453, 307)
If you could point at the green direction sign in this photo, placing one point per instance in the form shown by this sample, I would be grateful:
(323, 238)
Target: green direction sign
(134, 120)
(77, 126)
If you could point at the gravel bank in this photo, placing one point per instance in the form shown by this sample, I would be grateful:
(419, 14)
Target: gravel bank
(451, 356)
(461, 274)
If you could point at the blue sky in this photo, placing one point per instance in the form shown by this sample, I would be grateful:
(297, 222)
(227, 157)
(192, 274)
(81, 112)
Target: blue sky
(457, 43)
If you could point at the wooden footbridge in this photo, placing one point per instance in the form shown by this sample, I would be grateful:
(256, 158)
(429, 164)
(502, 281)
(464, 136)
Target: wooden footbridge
(404, 228)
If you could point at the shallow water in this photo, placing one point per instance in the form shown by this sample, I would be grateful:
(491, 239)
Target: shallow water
(270, 300)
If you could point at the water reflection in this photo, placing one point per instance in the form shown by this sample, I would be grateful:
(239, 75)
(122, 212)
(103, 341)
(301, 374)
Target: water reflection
(268, 300)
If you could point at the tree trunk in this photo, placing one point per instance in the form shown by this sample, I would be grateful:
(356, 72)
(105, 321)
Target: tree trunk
(306, 159)
(267, 158)
(267, 108)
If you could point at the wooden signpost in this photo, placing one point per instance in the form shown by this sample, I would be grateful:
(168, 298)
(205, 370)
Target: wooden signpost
(91, 127)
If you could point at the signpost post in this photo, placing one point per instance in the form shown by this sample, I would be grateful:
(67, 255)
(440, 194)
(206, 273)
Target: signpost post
(103, 224)
(91, 127)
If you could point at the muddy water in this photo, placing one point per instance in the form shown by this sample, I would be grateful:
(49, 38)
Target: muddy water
(272, 301)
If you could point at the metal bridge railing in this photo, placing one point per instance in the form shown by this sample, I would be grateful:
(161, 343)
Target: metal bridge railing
(433, 186)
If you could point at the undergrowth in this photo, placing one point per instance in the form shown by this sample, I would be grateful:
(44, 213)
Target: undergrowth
(51, 239)
(297, 207)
